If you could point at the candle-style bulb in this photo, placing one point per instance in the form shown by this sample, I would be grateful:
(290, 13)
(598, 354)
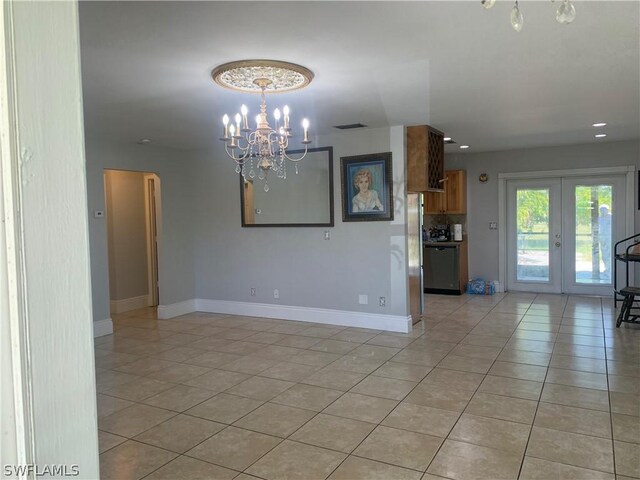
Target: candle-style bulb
(276, 114)
(244, 110)
(225, 122)
(305, 124)
(232, 129)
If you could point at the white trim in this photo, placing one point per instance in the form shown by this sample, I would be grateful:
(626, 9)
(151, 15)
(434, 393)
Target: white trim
(502, 232)
(579, 172)
(128, 304)
(102, 328)
(629, 170)
(392, 323)
(630, 217)
(176, 309)
(22, 410)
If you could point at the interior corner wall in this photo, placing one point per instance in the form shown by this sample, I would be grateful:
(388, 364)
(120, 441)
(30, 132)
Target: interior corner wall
(308, 270)
(176, 253)
(482, 198)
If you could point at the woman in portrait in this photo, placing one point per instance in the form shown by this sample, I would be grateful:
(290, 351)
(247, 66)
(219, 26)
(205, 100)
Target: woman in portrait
(366, 200)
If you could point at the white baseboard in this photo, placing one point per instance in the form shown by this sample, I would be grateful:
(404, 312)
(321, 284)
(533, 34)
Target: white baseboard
(177, 309)
(394, 323)
(128, 304)
(102, 328)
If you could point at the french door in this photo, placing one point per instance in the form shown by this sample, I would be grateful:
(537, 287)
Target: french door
(561, 232)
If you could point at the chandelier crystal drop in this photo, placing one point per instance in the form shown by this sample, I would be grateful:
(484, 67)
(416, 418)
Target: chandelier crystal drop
(566, 13)
(263, 149)
(517, 19)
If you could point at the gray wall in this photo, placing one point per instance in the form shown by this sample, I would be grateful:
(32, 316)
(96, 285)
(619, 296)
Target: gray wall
(482, 198)
(176, 255)
(127, 233)
(309, 271)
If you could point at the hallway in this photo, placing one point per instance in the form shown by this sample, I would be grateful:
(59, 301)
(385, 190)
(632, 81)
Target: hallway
(505, 386)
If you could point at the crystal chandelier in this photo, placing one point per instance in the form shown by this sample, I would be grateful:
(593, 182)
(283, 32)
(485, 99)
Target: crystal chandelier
(263, 149)
(566, 13)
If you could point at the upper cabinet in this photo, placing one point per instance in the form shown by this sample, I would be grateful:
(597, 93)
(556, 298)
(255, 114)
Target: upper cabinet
(425, 159)
(453, 199)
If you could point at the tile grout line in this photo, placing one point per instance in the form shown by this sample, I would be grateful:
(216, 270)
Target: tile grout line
(606, 369)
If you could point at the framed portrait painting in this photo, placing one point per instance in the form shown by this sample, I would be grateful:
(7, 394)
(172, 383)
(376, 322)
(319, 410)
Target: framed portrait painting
(367, 188)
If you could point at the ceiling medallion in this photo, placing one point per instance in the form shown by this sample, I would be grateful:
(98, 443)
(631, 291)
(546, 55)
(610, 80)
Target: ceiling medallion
(255, 76)
(263, 149)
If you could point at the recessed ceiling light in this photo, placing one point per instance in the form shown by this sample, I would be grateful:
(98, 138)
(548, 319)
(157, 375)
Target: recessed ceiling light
(601, 124)
(144, 141)
(600, 135)
(464, 147)
(447, 139)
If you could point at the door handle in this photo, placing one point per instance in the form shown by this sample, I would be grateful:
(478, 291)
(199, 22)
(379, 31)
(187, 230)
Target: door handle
(558, 244)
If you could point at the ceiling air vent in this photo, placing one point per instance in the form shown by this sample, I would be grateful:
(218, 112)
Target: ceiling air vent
(350, 126)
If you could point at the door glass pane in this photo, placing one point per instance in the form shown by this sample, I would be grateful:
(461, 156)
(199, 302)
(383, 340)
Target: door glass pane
(593, 234)
(532, 234)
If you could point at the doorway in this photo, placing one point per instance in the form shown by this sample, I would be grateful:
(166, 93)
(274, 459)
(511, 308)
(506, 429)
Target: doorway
(132, 201)
(560, 231)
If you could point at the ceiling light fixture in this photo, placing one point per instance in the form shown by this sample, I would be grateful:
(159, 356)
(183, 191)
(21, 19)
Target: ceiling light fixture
(566, 13)
(447, 139)
(600, 124)
(600, 135)
(464, 147)
(266, 146)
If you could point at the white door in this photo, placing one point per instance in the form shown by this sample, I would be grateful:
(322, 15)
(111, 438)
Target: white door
(593, 221)
(534, 235)
(561, 232)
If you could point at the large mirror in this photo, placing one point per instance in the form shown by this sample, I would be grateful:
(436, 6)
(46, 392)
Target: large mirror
(304, 199)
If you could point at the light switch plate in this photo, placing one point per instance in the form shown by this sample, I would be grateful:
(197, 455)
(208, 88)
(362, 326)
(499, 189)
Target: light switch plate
(363, 299)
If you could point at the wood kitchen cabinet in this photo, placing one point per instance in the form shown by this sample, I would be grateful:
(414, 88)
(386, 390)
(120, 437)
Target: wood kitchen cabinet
(453, 200)
(425, 159)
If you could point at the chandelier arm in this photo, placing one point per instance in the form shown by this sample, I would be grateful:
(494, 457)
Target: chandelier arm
(240, 159)
(291, 159)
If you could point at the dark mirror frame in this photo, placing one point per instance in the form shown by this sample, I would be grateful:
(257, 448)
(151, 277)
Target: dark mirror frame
(329, 151)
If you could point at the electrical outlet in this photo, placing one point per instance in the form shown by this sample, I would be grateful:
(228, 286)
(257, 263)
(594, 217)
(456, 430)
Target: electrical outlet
(253, 292)
(493, 225)
(327, 235)
(382, 301)
(276, 293)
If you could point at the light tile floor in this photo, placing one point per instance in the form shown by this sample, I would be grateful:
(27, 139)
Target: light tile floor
(508, 386)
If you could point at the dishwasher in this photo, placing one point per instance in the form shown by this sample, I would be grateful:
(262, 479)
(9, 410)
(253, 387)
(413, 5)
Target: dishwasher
(441, 268)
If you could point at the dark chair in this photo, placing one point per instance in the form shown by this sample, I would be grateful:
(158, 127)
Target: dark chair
(628, 294)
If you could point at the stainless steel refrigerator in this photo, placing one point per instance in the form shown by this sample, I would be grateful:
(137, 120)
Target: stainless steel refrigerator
(414, 246)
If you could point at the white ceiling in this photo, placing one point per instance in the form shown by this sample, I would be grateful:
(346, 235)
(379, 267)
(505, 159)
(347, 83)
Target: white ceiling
(451, 64)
